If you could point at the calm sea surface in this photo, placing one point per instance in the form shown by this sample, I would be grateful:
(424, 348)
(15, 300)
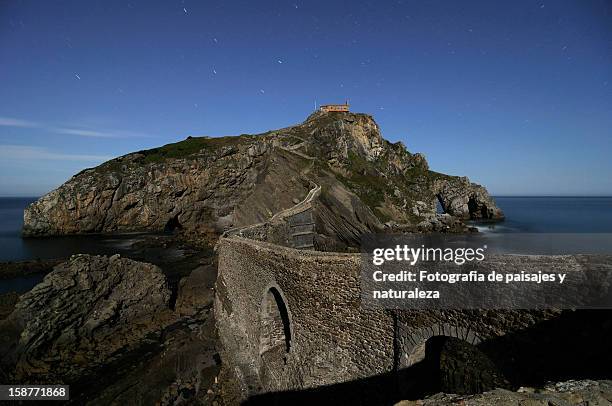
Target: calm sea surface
(15, 248)
(582, 215)
(554, 215)
(551, 226)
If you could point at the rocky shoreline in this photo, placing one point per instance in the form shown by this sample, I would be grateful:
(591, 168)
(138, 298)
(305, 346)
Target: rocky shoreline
(165, 355)
(95, 314)
(582, 392)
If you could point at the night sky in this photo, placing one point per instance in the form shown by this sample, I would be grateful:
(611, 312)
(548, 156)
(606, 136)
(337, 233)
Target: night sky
(515, 95)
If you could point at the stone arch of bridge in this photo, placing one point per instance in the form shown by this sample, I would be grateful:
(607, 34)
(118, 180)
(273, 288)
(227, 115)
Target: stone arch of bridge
(415, 341)
(275, 326)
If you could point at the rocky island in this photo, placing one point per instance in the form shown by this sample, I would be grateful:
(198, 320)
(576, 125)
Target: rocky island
(206, 184)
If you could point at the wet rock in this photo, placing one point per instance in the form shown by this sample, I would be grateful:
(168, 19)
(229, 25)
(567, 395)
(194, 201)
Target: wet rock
(196, 290)
(182, 369)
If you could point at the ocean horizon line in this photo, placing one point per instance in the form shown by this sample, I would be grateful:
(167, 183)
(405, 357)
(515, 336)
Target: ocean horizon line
(492, 195)
(554, 196)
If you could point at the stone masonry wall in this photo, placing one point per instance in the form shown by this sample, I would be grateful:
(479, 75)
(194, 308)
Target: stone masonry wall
(332, 338)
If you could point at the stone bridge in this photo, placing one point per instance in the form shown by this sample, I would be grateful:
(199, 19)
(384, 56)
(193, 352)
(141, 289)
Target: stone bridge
(291, 318)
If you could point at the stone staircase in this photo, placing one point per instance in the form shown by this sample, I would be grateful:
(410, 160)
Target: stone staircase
(302, 229)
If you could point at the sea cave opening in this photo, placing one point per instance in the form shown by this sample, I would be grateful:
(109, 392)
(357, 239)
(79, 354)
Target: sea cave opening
(440, 209)
(172, 225)
(477, 211)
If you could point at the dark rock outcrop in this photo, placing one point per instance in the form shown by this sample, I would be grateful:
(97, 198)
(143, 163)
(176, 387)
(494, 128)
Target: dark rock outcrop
(7, 303)
(196, 291)
(585, 392)
(81, 315)
(466, 200)
(203, 184)
(18, 269)
(464, 369)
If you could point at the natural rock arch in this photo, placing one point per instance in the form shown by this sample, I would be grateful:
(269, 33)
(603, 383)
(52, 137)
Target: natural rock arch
(439, 204)
(275, 327)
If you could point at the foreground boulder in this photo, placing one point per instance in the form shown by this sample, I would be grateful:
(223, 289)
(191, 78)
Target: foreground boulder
(80, 316)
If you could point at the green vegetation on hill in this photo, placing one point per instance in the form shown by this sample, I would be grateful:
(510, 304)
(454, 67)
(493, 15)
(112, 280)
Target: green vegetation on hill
(365, 181)
(190, 146)
(377, 191)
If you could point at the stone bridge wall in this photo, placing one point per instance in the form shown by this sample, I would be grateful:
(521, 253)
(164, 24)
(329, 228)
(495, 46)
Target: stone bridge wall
(331, 337)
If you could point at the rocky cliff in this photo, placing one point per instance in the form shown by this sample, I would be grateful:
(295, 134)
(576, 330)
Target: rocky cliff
(203, 184)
